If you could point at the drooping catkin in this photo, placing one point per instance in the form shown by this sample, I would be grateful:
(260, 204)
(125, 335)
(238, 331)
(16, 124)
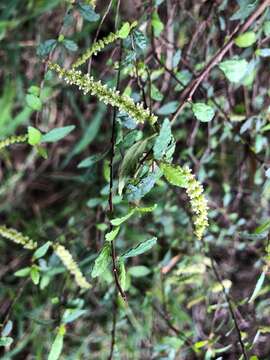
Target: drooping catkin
(12, 140)
(109, 96)
(198, 202)
(17, 237)
(71, 266)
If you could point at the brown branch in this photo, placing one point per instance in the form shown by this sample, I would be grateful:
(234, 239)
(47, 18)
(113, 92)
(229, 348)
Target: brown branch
(190, 89)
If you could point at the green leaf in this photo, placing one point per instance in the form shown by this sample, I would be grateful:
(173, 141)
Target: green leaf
(174, 174)
(140, 41)
(91, 160)
(41, 251)
(137, 192)
(35, 90)
(102, 261)
(122, 274)
(140, 248)
(112, 234)
(35, 275)
(263, 227)
(147, 209)
(6, 341)
(157, 24)
(23, 272)
(124, 31)
(33, 102)
(168, 108)
(57, 345)
(34, 136)
(155, 93)
(42, 152)
(7, 328)
(246, 8)
(266, 28)
(234, 70)
(203, 112)
(70, 45)
(121, 220)
(258, 287)
(130, 162)
(46, 47)
(139, 271)
(263, 52)
(246, 39)
(71, 315)
(57, 133)
(163, 140)
(87, 12)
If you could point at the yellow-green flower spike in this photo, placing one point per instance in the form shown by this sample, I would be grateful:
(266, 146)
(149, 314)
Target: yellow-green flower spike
(198, 202)
(12, 140)
(100, 44)
(109, 96)
(17, 237)
(71, 266)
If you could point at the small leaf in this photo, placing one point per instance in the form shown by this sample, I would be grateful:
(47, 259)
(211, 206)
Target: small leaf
(234, 70)
(130, 162)
(176, 58)
(124, 31)
(34, 136)
(57, 133)
(35, 90)
(87, 12)
(91, 160)
(163, 140)
(174, 174)
(263, 52)
(112, 234)
(257, 287)
(147, 209)
(203, 112)
(42, 152)
(6, 341)
(23, 272)
(168, 108)
(266, 28)
(157, 24)
(70, 45)
(140, 41)
(33, 102)
(57, 345)
(263, 227)
(122, 274)
(246, 39)
(137, 192)
(7, 328)
(41, 251)
(46, 47)
(140, 248)
(121, 220)
(139, 271)
(71, 315)
(102, 261)
(35, 275)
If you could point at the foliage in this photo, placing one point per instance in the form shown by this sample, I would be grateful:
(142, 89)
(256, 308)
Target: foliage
(134, 203)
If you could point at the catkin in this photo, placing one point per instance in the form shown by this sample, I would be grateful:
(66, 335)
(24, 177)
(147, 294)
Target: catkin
(109, 96)
(17, 237)
(71, 266)
(12, 140)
